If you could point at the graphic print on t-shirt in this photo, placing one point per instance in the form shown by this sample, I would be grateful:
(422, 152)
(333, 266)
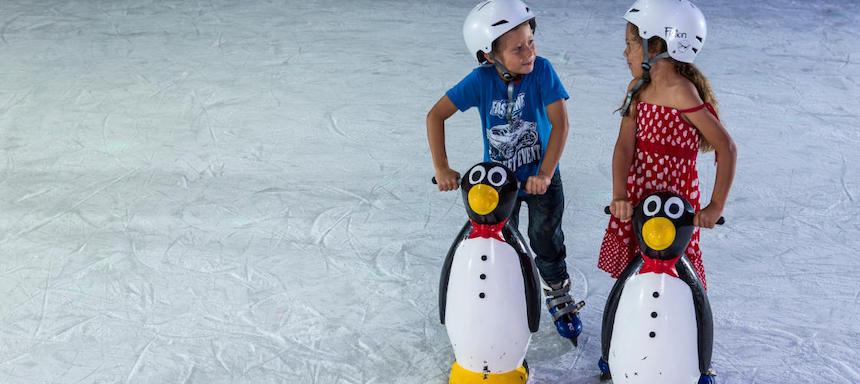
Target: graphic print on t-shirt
(513, 144)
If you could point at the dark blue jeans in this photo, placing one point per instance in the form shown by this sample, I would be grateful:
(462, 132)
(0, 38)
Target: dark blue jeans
(545, 236)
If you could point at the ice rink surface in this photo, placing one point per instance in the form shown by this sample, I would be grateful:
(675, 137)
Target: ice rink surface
(238, 192)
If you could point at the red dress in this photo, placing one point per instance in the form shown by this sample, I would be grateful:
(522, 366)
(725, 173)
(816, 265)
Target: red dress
(665, 160)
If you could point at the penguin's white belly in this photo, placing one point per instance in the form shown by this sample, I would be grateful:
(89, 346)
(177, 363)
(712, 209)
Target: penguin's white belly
(488, 333)
(655, 339)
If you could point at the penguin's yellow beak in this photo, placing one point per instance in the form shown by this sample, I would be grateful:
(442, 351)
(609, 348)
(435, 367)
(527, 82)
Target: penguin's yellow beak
(658, 233)
(483, 199)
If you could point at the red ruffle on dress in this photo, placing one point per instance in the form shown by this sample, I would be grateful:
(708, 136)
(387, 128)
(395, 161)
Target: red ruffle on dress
(665, 160)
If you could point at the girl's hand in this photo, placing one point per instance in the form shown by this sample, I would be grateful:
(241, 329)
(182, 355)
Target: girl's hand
(447, 179)
(707, 217)
(621, 208)
(537, 185)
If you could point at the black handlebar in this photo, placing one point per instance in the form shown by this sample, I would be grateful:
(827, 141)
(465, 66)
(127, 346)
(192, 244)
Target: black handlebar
(519, 186)
(720, 221)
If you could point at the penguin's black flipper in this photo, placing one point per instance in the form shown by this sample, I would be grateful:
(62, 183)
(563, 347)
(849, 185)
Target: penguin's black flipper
(530, 274)
(631, 270)
(446, 268)
(704, 317)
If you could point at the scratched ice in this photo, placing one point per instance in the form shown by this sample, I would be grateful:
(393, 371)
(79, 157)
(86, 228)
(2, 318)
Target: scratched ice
(238, 192)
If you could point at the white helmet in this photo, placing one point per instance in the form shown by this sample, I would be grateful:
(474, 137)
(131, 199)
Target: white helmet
(491, 19)
(678, 22)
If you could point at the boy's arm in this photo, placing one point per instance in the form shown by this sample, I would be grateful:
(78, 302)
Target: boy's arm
(557, 114)
(446, 178)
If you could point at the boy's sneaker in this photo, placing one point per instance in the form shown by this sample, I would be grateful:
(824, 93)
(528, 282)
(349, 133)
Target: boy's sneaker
(564, 310)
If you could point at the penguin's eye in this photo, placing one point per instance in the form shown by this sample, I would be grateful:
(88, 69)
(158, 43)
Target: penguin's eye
(497, 176)
(674, 207)
(652, 205)
(477, 175)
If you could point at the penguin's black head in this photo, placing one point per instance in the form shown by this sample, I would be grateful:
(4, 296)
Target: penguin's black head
(489, 192)
(663, 223)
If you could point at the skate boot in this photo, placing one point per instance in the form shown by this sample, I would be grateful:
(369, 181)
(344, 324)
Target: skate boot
(564, 310)
(604, 369)
(709, 377)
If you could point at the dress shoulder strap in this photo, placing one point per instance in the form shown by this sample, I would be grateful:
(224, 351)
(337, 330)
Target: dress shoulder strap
(705, 105)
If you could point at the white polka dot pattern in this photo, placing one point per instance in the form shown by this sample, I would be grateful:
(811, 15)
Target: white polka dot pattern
(665, 160)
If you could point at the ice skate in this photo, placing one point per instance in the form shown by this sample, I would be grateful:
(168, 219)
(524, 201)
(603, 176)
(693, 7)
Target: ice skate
(564, 310)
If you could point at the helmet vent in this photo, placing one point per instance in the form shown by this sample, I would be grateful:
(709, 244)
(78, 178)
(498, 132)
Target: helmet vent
(695, 50)
(500, 22)
(633, 10)
(699, 38)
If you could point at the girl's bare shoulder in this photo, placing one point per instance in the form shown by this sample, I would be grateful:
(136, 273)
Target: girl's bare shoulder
(684, 94)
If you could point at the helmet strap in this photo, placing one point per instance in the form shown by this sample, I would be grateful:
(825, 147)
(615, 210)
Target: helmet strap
(647, 63)
(505, 73)
(510, 102)
(508, 77)
(646, 74)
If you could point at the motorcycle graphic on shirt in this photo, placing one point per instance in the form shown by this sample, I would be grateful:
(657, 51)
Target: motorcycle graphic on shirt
(513, 144)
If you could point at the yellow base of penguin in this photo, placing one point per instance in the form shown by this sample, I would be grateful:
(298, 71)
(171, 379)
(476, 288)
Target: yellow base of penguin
(460, 375)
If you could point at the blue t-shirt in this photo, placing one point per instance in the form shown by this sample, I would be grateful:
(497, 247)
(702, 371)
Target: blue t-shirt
(520, 145)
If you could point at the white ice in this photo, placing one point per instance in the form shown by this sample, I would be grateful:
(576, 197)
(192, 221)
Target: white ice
(238, 192)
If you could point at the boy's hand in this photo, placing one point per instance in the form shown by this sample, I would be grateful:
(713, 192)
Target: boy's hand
(621, 208)
(537, 185)
(447, 179)
(707, 218)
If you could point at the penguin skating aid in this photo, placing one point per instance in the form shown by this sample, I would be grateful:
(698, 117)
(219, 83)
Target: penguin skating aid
(489, 292)
(657, 324)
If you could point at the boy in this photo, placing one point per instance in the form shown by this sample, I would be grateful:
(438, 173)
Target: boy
(521, 102)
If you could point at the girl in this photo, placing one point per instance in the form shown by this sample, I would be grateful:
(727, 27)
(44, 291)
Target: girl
(669, 114)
